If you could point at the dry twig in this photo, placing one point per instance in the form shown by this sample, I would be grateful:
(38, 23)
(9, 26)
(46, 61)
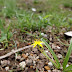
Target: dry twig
(14, 51)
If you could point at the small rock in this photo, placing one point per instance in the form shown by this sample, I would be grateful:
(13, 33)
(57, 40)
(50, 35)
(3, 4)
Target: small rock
(29, 62)
(44, 35)
(5, 62)
(27, 54)
(50, 64)
(31, 54)
(27, 50)
(24, 56)
(22, 64)
(47, 68)
(59, 56)
(40, 65)
(55, 70)
(34, 62)
(41, 56)
(37, 58)
(58, 47)
(6, 68)
(35, 50)
(31, 66)
(32, 57)
(22, 59)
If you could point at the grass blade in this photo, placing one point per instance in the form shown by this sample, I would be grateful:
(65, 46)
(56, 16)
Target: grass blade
(69, 68)
(52, 52)
(50, 59)
(67, 55)
(36, 70)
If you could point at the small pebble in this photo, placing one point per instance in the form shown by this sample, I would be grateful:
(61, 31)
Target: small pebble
(50, 64)
(27, 54)
(6, 68)
(41, 56)
(24, 56)
(4, 63)
(58, 47)
(29, 62)
(22, 64)
(47, 68)
(44, 35)
(59, 56)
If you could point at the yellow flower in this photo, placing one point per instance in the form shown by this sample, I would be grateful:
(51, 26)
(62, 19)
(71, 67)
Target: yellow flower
(37, 42)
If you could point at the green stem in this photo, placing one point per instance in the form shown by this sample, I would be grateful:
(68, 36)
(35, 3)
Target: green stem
(44, 53)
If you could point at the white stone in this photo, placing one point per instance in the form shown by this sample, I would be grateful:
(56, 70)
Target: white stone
(34, 62)
(33, 9)
(50, 64)
(49, 70)
(58, 47)
(59, 56)
(22, 64)
(44, 35)
(27, 54)
(6, 68)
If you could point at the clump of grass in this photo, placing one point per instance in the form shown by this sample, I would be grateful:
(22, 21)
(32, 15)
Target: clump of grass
(6, 34)
(35, 1)
(70, 21)
(9, 8)
(68, 5)
(29, 21)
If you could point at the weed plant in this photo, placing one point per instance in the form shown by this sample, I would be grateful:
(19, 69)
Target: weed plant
(9, 8)
(5, 34)
(55, 61)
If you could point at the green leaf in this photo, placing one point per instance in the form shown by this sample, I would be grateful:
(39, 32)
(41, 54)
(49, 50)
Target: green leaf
(47, 16)
(52, 52)
(3, 38)
(8, 28)
(6, 45)
(9, 35)
(67, 55)
(68, 69)
(45, 54)
(1, 25)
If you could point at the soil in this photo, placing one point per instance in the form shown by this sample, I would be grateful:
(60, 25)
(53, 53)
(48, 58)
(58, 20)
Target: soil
(32, 57)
